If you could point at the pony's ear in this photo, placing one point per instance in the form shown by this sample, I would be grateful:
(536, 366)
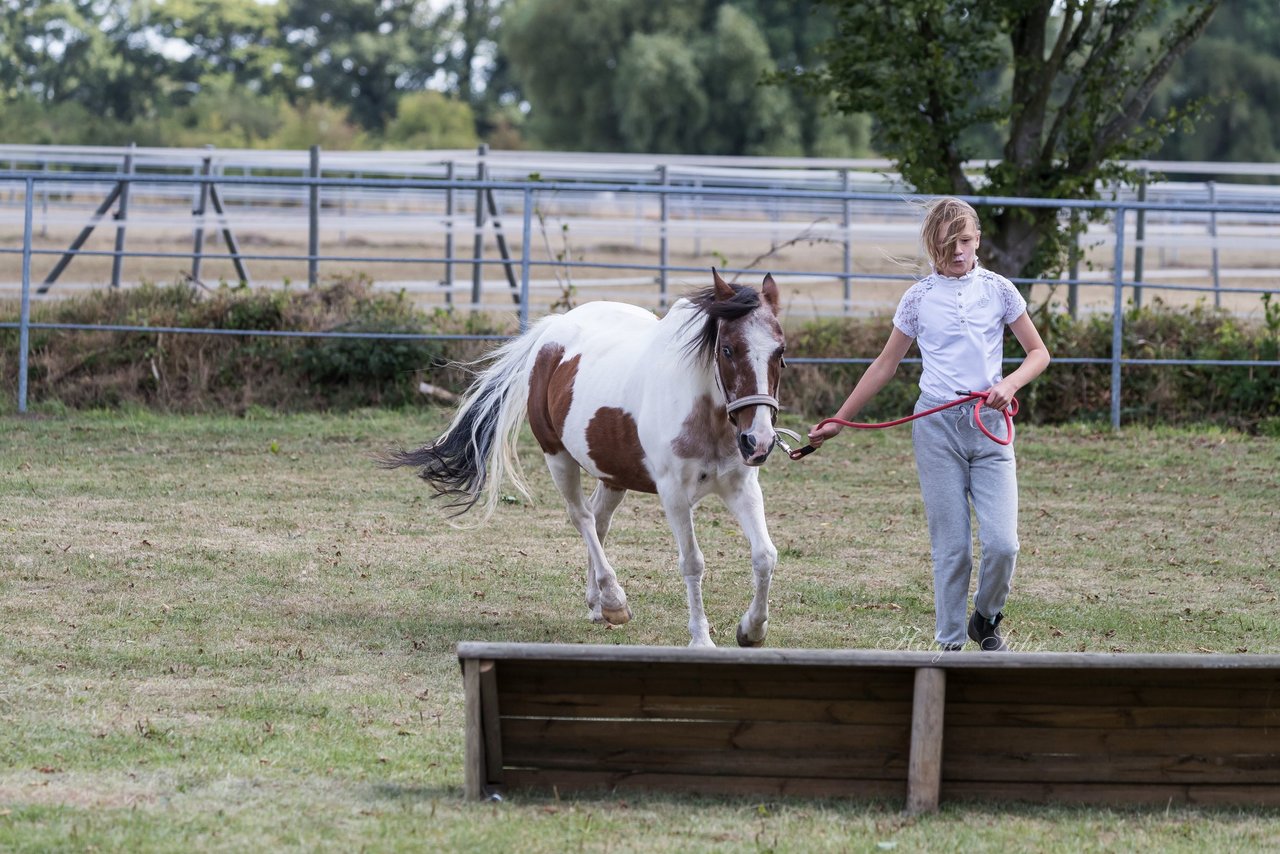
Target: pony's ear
(770, 291)
(723, 290)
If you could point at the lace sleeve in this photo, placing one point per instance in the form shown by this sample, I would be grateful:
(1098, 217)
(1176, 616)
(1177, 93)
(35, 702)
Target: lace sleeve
(907, 317)
(1014, 304)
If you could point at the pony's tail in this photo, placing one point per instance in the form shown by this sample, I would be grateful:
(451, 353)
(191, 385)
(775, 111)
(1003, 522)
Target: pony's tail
(478, 448)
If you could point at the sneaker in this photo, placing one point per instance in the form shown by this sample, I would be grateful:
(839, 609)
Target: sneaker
(984, 633)
(950, 647)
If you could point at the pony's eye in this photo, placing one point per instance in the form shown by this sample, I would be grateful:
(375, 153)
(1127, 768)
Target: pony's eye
(727, 351)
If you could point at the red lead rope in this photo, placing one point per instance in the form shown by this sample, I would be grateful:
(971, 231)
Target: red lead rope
(980, 397)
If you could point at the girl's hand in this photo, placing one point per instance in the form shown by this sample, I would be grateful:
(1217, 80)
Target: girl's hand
(818, 435)
(1000, 395)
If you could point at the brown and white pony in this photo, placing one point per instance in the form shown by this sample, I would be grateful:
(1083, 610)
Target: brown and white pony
(682, 407)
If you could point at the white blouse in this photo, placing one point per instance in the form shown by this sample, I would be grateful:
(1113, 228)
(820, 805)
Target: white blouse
(959, 326)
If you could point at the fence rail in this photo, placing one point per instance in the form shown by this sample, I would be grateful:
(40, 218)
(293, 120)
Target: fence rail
(731, 204)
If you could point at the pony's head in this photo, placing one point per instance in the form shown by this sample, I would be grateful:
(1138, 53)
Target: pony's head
(741, 340)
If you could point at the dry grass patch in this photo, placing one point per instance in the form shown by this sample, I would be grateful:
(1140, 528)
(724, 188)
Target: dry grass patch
(236, 633)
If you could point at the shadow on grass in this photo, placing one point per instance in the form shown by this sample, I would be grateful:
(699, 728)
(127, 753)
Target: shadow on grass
(409, 795)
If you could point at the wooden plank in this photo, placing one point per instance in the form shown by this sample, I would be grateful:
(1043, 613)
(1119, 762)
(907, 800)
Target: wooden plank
(1107, 741)
(1107, 794)
(534, 679)
(924, 769)
(490, 718)
(1036, 767)
(696, 707)
(603, 737)
(1006, 714)
(809, 764)
(1118, 688)
(784, 658)
(566, 780)
(473, 730)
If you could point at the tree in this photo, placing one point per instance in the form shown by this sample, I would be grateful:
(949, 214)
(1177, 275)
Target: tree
(362, 54)
(1080, 76)
(1234, 71)
(680, 76)
(429, 120)
(86, 52)
(239, 40)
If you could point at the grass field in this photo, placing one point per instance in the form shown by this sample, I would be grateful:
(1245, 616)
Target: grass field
(236, 634)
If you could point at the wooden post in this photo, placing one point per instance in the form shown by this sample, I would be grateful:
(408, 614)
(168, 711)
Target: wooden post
(924, 768)
(473, 730)
(489, 717)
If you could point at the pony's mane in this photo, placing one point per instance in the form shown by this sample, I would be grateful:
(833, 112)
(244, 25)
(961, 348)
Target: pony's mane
(711, 311)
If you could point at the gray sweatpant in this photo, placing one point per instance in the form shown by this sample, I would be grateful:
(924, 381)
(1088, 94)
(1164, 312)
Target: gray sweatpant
(958, 464)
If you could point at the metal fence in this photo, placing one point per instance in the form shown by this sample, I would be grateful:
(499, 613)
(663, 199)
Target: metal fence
(848, 214)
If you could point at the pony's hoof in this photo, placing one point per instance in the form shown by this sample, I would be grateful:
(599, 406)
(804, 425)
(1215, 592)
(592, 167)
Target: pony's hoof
(617, 616)
(745, 641)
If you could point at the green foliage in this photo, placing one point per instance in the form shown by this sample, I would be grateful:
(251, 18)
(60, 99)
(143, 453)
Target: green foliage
(355, 361)
(224, 372)
(1242, 398)
(1230, 80)
(671, 76)
(235, 72)
(429, 120)
(1062, 90)
(361, 53)
(663, 108)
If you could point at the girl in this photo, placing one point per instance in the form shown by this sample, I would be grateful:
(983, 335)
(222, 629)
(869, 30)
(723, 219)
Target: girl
(957, 316)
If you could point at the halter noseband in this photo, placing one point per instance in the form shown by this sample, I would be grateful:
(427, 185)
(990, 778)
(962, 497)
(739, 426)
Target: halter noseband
(746, 400)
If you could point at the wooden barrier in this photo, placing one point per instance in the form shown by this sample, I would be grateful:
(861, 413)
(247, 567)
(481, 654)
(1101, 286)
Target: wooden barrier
(922, 726)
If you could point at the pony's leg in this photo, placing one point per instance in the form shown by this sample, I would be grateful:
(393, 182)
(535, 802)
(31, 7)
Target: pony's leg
(747, 504)
(606, 600)
(604, 500)
(692, 564)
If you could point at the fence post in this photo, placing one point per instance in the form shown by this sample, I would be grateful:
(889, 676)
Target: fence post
(202, 203)
(526, 235)
(1139, 238)
(122, 212)
(664, 248)
(24, 317)
(846, 220)
(44, 202)
(477, 251)
(1117, 320)
(450, 170)
(1213, 232)
(1073, 267)
(313, 237)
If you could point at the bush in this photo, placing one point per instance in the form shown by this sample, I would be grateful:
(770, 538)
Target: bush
(1245, 398)
(187, 373)
(232, 372)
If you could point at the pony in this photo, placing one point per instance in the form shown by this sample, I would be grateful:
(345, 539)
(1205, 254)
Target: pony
(682, 407)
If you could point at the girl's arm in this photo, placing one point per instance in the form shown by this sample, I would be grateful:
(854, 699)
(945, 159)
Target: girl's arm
(874, 378)
(999, 395)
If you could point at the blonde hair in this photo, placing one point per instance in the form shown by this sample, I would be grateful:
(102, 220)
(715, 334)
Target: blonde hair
(944, 221)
